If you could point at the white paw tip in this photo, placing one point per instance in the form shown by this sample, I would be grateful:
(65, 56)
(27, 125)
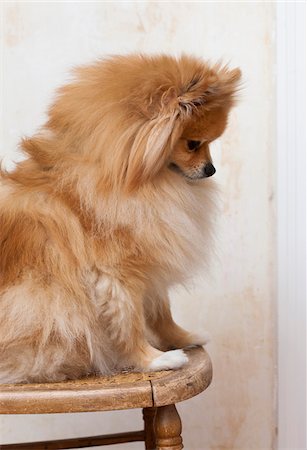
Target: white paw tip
(173, 359)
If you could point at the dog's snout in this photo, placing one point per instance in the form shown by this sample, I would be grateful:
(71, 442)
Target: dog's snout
(209, 170)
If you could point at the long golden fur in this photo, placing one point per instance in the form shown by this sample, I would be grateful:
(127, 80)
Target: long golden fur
(108, 211)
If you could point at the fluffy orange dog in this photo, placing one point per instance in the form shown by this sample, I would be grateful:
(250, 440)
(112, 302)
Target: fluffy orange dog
(111, 208)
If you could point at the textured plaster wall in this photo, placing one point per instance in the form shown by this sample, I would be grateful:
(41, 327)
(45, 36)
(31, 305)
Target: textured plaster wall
(235, 302)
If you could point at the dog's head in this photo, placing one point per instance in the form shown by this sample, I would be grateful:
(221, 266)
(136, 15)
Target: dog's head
(186, 104)
(138, 116)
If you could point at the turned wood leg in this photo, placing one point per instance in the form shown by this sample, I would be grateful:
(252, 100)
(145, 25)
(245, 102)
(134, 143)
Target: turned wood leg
(168, 428)
(149, 417)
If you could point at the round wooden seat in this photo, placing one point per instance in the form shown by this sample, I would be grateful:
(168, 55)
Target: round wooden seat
(105, 393)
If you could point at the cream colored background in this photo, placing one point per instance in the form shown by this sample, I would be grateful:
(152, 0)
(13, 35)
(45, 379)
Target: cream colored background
(236, 301)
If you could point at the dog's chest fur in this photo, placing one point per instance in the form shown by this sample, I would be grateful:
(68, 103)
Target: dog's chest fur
(165, 235)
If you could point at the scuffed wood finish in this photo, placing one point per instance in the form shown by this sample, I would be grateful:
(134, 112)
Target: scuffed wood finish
(179, 385)
(168, 428)
(121, 391)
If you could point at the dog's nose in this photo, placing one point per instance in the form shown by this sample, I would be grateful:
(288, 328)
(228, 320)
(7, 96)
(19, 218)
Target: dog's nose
(209, 170)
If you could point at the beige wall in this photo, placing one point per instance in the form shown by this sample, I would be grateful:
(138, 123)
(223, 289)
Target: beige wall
(236, 301)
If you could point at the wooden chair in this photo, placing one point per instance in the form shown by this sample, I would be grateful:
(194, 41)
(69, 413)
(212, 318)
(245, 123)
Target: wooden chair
(155, 392)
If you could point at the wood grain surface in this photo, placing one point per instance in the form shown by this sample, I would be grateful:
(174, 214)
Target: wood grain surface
(106, 393)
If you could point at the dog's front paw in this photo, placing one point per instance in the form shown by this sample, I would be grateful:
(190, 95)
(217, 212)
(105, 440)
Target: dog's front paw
(173, 359)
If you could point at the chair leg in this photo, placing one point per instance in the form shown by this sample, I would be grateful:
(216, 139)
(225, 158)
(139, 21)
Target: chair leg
(149, 417)
(168, 428)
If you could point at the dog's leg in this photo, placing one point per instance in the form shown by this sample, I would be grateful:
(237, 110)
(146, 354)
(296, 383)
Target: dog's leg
(121, 314)
(170, 335)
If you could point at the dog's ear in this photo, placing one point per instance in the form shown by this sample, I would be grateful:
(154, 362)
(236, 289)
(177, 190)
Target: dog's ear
(151, 148)
(216, 87)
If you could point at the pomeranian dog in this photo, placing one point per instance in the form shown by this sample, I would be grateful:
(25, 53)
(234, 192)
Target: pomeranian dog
(111, 208)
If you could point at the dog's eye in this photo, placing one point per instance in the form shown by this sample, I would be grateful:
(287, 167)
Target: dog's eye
(193, 145)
